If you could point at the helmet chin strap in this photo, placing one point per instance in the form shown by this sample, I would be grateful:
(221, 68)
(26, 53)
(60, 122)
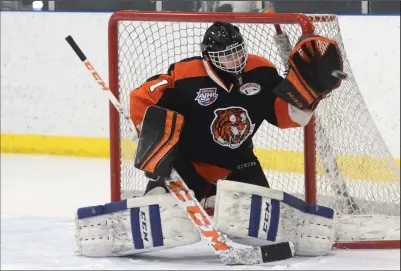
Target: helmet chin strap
(232, 80)
(235, 79)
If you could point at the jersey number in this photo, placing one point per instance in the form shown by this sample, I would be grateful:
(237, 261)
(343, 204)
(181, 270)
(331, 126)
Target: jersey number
(161, 83)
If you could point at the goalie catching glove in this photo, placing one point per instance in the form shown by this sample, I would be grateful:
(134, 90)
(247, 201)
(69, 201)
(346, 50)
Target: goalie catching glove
(313, 65)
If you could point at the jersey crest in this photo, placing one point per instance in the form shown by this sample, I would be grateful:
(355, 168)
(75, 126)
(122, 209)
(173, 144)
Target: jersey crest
(206, 96)
(231, 126)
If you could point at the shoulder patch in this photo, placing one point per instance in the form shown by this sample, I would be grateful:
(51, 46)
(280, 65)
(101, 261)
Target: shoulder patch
(250, 89)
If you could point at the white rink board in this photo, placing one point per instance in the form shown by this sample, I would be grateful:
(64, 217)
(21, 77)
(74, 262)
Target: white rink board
(46, 91)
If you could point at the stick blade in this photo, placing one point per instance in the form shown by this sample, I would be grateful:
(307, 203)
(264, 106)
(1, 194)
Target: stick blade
(244, 256)
(257, 255)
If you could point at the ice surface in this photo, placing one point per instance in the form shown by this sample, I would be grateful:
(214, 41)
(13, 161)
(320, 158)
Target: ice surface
(39, 195)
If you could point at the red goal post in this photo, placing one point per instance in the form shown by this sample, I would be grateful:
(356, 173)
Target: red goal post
(326, 169)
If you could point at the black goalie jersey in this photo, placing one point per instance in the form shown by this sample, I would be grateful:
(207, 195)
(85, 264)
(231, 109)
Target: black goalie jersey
(221, 117)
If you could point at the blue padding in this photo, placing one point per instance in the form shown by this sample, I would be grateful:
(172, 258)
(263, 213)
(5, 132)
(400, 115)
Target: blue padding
(294, 202)
(136, 228)
(254, 219)
(108, 208)
(85, 212)
(308, 208)
(274, 219)
(156, 225)
(115, 206)
(320, 210)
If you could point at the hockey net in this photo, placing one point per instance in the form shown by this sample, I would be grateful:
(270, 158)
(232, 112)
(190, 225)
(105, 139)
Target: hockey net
(339, 160)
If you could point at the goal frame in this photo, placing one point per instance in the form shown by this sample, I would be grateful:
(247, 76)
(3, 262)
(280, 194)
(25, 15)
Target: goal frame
(269, 18)
(302, 20)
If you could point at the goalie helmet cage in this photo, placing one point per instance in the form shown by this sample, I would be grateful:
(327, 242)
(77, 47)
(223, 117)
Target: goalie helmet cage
(338, 160)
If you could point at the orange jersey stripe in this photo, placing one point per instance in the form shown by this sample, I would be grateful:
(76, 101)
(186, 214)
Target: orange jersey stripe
(283, 116)
(148, 94)
(189, 69)
(256, 62)
(211, 173)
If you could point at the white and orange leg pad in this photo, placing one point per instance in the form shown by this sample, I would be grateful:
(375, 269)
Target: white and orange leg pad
(254, 215)
(132, 226)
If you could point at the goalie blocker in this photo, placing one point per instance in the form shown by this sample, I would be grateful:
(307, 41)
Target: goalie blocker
(249, 214)
(160, 133)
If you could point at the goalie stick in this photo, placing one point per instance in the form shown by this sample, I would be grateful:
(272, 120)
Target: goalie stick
(201, 220)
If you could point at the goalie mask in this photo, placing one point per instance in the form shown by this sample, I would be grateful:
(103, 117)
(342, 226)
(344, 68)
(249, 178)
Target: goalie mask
(224, 46)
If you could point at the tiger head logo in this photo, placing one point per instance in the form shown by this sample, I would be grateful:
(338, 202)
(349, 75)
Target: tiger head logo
(231, 126)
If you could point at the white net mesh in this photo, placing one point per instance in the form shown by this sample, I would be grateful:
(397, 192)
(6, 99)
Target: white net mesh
(355, 172)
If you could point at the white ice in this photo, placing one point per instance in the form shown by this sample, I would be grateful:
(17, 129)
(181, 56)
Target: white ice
(39, 195)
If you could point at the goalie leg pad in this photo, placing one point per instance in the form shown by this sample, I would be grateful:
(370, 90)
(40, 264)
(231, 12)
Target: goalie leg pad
(132, 226)
(255, 215)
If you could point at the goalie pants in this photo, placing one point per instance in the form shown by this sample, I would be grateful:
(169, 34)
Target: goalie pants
(250, 172)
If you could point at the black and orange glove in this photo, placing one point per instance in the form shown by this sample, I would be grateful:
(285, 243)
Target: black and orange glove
(314, 66)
